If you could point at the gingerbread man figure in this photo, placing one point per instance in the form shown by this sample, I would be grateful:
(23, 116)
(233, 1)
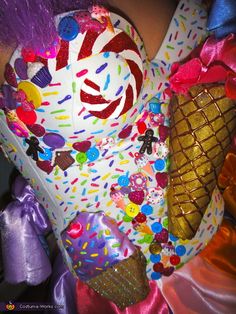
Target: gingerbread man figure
(33, 148)
(147, 139)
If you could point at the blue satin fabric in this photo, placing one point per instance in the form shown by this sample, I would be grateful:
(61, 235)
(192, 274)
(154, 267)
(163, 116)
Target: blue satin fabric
(23, 225)
(222, 18)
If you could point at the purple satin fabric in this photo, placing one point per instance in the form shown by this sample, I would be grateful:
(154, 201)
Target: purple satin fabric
(62, 288)
(90, 302)
(22, 225)
(199, 287)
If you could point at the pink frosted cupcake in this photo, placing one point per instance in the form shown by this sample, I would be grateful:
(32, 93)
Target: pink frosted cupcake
(38, 74)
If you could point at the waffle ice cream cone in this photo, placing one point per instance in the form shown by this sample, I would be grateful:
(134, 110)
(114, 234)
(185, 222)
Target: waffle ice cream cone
(125, 283)
(202, 127)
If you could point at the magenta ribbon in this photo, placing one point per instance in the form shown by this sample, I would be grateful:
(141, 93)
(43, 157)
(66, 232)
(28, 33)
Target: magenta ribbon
(213, 62)
(23, 224)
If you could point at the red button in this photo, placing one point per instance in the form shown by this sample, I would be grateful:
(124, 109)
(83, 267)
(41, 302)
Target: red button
(28, 117)
(158, 267)
(174, 260)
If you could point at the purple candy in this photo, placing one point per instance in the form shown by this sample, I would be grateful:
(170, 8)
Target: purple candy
(54, 140)
(8, 101)
(21, 68)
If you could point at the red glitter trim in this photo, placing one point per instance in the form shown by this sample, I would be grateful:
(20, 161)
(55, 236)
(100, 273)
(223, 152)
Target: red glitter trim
(92, 84)
(63, 55)
(119, 43)
(88, 43)
(105, 113)
(91, 99)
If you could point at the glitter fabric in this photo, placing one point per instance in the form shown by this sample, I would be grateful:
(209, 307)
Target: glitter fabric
(202, 127)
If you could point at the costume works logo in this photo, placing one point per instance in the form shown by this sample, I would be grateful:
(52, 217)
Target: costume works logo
(10, 307)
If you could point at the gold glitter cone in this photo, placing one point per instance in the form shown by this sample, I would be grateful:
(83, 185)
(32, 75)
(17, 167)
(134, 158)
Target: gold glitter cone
(202, 128)
(125, 283)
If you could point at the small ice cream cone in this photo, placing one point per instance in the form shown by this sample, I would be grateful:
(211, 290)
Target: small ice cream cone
(121, 204)
(148, 169)
(143, 227)
(118, 198)
(143, 163)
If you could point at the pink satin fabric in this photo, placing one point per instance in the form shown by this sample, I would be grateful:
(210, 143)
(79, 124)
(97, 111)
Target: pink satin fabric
(199, 287)
(90, 302)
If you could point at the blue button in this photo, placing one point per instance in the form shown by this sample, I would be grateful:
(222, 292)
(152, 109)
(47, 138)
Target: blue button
(173, 238)
(92, 153)
(123, 180)
(159, 164)
(155, 106)
(155, 276)
(155, 258)
(156, 227)
(147, 209)
(68, 28)
(47, 155)
(180, 250)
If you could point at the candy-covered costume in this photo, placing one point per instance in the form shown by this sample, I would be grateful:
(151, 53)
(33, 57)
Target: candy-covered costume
(90, 133)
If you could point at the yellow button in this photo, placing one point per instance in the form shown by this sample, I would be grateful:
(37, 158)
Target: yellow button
(32, 93)
(132, 210)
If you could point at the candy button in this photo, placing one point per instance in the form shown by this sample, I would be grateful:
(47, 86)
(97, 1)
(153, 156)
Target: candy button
(158, 267)
(173, 238)
(68, 28)
(32, 93)
(156, 227)
(155, 258)
(141, 218)
(123, 181)
(155, 248)
(147, 209)
(155, 276)
(92, 153)
(165, 222)
(132, 210)
(28, 117)
(159, 164)
(127, 218)
(155, 106)
(180, 250)
(47, 154)
(174, 260)
(81, 158)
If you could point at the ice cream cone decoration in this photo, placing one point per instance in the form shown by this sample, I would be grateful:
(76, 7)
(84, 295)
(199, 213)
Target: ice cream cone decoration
(102, 15)
(143, 228)
(202, 127)
(118, 198)
(143, 163)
